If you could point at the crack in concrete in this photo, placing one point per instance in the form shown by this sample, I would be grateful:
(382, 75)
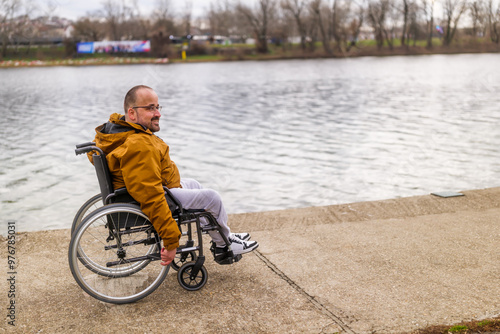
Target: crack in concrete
(311, 299)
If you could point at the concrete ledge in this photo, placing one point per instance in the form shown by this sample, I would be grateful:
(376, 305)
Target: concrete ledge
(390, 266)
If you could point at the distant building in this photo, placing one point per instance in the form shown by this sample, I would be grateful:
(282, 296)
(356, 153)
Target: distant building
(217, 39)
(366, 33)
(41, 30)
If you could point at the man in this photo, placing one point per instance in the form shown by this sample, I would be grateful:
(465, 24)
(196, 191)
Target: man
(140, 161)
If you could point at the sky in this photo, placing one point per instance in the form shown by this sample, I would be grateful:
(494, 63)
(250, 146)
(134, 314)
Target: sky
(73, 9)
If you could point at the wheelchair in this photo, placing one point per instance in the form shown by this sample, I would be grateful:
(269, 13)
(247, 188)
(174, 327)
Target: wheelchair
(114, 247)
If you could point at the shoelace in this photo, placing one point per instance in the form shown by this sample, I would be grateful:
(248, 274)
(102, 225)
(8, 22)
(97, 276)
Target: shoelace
(236, 240)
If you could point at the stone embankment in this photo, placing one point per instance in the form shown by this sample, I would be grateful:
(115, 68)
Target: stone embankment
(388, 266)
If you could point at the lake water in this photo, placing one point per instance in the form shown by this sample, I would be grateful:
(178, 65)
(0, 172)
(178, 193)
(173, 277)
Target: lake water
(266, 135)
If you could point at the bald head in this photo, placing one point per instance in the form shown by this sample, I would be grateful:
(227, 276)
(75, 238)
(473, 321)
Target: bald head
(141, 107)
(131, 97)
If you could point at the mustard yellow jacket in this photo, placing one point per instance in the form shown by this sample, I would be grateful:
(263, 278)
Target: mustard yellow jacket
(140, 161)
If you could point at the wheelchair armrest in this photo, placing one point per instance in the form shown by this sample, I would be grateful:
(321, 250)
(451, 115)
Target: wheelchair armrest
(119, 196)
(121, 191)
(172, 201)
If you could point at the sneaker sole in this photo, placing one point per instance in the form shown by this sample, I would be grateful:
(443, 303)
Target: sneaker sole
(248, 250)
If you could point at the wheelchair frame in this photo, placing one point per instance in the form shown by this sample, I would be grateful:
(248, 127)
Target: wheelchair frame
(115, 216)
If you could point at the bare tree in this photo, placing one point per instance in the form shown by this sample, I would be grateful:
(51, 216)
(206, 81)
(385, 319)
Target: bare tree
(163, 18)
(317, 8)
(259, 20)
(414, 30)
(390, 27)
(114, 13)
(297, 9)
(478, 16)
(346, 23)
(453, 10)
(17, 26)
(29, 30)
(428, 10)
(8, 10)
(405, 9)
(162, 10)
(221, 18)
(136, 26)
(89, 28)
(124, 20)
(494, 22)
(356, 23)
(312, 30)
(377, 17)
(283, 26)
(22, 28)
(186, 17)
(339, 15)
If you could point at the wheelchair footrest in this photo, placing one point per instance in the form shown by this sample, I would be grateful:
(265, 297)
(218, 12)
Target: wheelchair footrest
(227, 257)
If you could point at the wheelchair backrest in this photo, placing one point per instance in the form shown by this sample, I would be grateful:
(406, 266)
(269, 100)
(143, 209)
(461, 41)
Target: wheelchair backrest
(103, 175)
(108, 193)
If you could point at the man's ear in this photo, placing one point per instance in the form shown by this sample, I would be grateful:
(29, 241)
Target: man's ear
(131, 115)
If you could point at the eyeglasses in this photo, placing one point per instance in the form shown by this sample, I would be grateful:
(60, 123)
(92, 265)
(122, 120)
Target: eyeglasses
(150, 108)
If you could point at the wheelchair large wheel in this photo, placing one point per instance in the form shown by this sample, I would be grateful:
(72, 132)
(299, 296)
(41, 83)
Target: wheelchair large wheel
(94, 203)
(91, 262)
(87, 208)
(112, 253)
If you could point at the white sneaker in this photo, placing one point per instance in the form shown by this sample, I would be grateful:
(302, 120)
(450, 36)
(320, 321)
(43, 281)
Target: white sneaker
(241, 236)
(241, 247)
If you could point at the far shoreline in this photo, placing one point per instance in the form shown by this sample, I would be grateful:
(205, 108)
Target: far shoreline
(357, 53)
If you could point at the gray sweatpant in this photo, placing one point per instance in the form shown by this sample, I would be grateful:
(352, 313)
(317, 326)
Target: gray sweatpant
(193, 196)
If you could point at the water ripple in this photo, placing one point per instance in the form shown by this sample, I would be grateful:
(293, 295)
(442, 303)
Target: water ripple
(266, 135)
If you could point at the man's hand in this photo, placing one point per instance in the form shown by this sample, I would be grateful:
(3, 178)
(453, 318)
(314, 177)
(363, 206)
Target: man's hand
(167, 256)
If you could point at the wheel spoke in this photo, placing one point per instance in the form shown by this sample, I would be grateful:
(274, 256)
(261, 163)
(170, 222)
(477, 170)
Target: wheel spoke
(91, 250)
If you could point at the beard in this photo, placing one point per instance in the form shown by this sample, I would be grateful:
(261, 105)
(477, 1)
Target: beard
(154, 125)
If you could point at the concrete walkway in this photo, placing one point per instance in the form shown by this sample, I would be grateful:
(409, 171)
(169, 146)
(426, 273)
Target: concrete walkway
(389, 266)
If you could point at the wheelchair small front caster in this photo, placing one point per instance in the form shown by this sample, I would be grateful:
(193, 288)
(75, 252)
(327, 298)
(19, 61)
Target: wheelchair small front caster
(192, 282)
(182, 258)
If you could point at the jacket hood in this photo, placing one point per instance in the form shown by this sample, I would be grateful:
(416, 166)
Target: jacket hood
(112, 134)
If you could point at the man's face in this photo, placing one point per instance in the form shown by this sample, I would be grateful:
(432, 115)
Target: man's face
(142, 114)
